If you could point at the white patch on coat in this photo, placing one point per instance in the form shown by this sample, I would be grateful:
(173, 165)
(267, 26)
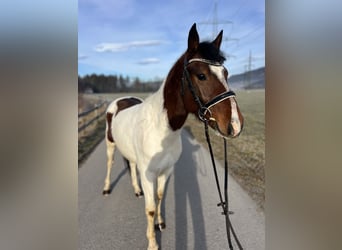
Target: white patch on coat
(143, 135)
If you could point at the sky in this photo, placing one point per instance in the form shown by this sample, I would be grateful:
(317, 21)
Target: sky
(143, 39)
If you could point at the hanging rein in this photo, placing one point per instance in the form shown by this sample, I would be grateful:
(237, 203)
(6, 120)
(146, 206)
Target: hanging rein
(202, 112)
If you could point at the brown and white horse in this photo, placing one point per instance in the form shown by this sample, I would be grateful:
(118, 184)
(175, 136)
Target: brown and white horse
(148, 133)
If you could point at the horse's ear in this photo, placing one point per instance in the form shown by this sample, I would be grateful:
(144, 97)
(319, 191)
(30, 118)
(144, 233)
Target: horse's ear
(193, 39)
(218, 40)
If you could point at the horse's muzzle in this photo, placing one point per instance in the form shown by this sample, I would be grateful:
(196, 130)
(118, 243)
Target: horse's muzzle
(234, 128)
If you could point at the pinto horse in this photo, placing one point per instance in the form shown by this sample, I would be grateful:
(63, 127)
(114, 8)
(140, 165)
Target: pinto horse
(148, 133)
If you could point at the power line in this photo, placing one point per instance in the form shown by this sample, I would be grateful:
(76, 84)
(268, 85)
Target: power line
(214, 23)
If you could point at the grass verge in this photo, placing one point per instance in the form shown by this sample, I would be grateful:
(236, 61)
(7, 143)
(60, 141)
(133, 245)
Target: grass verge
(246, 154)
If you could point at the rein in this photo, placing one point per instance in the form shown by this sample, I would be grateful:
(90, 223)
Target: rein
(203, 109)
(224, 204)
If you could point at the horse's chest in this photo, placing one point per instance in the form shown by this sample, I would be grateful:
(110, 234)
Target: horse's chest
(161, 154)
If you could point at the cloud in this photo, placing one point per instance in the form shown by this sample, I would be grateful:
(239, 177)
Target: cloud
(82, 57)
(148, 61)
(117, 47)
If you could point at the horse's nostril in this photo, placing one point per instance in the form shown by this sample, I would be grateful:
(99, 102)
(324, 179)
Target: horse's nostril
(230, 129)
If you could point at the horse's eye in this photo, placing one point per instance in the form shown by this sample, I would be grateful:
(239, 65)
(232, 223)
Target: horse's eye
(201, 77)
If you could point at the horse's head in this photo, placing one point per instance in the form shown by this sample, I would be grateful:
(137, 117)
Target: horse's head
(205, 87)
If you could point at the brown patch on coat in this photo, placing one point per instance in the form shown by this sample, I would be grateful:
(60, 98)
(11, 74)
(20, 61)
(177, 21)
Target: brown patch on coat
(151, 213)
(126, 103)
(121, 105)
(173, 99)
(109, 130)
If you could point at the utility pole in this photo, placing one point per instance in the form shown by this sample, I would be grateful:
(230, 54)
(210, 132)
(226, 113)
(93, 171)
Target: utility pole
(248, 69)
(215, 22)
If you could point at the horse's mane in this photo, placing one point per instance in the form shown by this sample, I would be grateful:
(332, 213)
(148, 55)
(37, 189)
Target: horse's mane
(210, 52)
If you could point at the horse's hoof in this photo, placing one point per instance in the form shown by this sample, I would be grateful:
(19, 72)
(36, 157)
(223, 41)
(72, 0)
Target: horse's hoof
(160, 226)
(139, 194)
(153, 247)
(106, 192)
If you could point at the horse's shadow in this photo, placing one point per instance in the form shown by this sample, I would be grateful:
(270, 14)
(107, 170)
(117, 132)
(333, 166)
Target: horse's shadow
(186, 193)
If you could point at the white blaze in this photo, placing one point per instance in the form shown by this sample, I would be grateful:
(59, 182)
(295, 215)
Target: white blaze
(219, 72)
(235, 121)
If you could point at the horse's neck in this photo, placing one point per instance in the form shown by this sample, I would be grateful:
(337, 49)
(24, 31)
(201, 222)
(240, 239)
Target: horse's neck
(173, 100)
(168, 98)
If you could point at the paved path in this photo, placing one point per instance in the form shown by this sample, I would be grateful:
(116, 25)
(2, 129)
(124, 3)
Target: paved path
(193, 221)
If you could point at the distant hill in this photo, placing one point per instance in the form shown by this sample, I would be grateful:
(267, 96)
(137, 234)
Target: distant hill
(254, 79)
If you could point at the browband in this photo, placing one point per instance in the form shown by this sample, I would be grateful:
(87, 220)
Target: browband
(203, 61)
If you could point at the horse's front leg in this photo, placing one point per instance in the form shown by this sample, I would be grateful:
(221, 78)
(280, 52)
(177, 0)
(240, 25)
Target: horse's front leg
(162, 179)
(147, 181)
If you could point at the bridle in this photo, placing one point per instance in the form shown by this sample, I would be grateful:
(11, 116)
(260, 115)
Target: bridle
(204, 108)
(202, 111)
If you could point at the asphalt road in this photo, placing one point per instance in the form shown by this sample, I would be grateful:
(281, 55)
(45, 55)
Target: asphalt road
(193, 221)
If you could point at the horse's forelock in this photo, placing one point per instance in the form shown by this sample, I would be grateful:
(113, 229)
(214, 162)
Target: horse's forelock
(210, 52)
